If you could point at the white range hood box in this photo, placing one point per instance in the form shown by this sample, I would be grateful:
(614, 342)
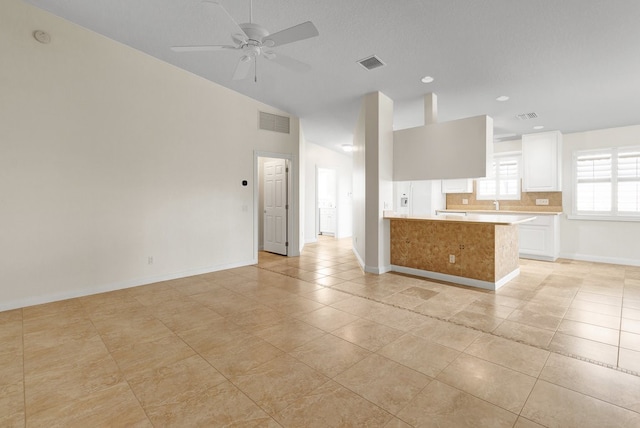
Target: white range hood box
(457, 149)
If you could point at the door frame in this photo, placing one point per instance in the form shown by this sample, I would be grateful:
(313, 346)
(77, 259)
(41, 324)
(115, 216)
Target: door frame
(292, 199)
(317, 208)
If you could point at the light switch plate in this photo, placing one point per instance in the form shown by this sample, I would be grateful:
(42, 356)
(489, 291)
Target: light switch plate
(542, 201)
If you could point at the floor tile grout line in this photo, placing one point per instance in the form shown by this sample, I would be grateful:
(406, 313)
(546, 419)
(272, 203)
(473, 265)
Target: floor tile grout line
(227, 379)
(534, 385)
(329, 379)
(620, 328)
(567, 354)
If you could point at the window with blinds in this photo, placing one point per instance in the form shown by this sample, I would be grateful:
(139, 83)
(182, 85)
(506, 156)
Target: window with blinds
(504, 182)
(607, 182)
(629, 181)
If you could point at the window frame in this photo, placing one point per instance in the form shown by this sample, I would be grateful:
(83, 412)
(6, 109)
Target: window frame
(613, 214)
(497, 179)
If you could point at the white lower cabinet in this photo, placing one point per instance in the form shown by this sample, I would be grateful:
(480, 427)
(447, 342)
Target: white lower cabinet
(540, 238)
(328, 221)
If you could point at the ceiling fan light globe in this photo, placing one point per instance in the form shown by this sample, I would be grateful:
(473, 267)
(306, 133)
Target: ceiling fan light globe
(253, 51)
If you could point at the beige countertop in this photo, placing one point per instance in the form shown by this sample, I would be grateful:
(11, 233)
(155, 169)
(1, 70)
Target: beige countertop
(500, 219)
(502, 212)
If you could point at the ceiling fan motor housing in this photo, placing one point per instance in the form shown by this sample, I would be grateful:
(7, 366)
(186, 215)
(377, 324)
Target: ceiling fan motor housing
(252, 43)
(254, 32)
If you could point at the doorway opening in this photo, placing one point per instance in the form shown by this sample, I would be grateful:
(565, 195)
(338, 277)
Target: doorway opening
(273, 186)
(326, 202)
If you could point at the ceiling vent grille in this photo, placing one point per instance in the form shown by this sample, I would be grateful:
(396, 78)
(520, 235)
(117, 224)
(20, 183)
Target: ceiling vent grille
(526, 116)
(273, 122)
(371, 62)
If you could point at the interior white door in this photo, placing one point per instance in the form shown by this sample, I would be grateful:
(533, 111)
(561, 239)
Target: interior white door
(275, 206)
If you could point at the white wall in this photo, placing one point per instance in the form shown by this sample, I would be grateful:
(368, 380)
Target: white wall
(109, 156)
(302, 183)
(601, 241)
(373, 181)
(385, 180)
(321, 157)
(359, 236)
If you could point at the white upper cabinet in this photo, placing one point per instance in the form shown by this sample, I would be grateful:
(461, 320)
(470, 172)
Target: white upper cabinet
(542, 161)
(457, 185)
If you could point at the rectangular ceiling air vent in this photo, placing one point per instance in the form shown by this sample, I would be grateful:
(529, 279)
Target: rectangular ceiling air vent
(371, 62)
(526, 116)
(273, 122)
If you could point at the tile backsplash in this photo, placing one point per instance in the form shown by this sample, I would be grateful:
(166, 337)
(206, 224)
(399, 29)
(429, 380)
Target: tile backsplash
(527, 202)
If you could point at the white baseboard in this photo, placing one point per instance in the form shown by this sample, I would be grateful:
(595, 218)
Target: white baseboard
(600, 259)
(537, 257)
(360, 261)
(371, 269)
(487, 285)
(377, 270)
(120, 285)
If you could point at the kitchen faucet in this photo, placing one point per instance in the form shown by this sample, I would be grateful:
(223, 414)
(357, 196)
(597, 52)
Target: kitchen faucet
(497, 204)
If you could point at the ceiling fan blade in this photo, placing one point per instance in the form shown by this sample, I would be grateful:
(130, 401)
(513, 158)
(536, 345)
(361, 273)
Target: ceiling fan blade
(302, 31)
(288, 62)
(237, 31)
(201, 48)
(242, 69)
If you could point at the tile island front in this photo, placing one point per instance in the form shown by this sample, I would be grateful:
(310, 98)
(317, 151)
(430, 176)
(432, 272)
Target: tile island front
(477, 250)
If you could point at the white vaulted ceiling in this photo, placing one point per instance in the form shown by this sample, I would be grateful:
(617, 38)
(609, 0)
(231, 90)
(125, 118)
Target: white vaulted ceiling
(575, 63)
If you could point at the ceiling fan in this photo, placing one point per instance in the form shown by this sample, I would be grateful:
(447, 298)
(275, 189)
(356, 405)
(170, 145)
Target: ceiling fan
(253, 40)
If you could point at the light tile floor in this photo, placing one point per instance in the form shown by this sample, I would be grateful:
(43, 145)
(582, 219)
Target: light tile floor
(313, 342)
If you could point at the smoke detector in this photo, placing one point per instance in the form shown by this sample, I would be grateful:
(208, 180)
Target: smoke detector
(42, 36)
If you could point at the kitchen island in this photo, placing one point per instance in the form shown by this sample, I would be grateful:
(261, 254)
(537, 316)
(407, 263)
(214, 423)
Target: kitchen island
(477, 250)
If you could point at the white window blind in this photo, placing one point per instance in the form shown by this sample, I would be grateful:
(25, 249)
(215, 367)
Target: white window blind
(593, 175)
(607, 183)
(504, 182)
(629, 182)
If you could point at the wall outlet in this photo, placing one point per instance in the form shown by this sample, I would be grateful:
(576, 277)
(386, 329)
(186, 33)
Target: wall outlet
(542, 201)
(387, 205)
(150, 260)
(465, 201)
(452, 258)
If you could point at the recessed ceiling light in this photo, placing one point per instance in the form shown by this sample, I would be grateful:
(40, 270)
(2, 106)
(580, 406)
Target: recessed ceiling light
(538, 127)
(347, 147)
(502, 98)
(427, 79)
